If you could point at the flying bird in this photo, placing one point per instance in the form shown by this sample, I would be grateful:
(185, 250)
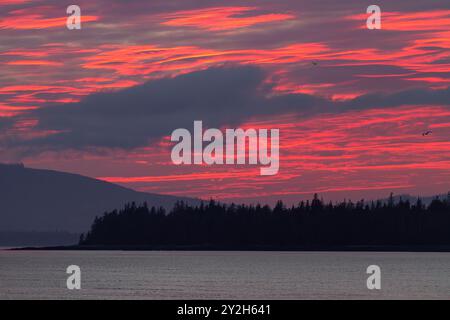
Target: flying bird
(426, 133)
(314, 63)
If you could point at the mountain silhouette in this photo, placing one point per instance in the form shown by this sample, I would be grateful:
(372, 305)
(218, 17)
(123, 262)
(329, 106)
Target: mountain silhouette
(47, 200)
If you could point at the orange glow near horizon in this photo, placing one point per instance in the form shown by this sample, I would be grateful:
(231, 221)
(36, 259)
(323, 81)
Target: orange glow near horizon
(343, 149)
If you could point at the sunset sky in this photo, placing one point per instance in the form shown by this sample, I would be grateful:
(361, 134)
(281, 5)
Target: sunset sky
(102, 101)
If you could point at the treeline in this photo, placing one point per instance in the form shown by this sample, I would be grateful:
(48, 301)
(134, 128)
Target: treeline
(309, 223)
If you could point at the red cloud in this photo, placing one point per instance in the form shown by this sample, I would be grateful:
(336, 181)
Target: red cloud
(33, 63)
(358, 150)
(222, 18)
(410, 21)
(35, 18)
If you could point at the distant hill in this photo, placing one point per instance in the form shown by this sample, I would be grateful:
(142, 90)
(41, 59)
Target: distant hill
(30, 238)
(46, 200)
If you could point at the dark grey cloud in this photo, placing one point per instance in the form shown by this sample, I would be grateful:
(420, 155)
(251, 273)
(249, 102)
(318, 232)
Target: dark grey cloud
(6, 123)
(135, 116)
(131, 117)
(3, 123)
(407, 97)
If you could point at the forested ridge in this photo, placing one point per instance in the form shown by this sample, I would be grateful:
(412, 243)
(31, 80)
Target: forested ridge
(308, 223)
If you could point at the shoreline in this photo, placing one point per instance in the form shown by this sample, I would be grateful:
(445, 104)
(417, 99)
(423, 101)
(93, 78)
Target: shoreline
(311, 248)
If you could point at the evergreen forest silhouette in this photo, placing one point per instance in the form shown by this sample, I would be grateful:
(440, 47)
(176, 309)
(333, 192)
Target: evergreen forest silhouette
(310, 223)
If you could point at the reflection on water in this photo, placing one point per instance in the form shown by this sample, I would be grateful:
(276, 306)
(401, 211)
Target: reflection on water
(223, 275)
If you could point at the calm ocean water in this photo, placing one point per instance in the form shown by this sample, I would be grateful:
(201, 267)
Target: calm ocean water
(223, 275)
